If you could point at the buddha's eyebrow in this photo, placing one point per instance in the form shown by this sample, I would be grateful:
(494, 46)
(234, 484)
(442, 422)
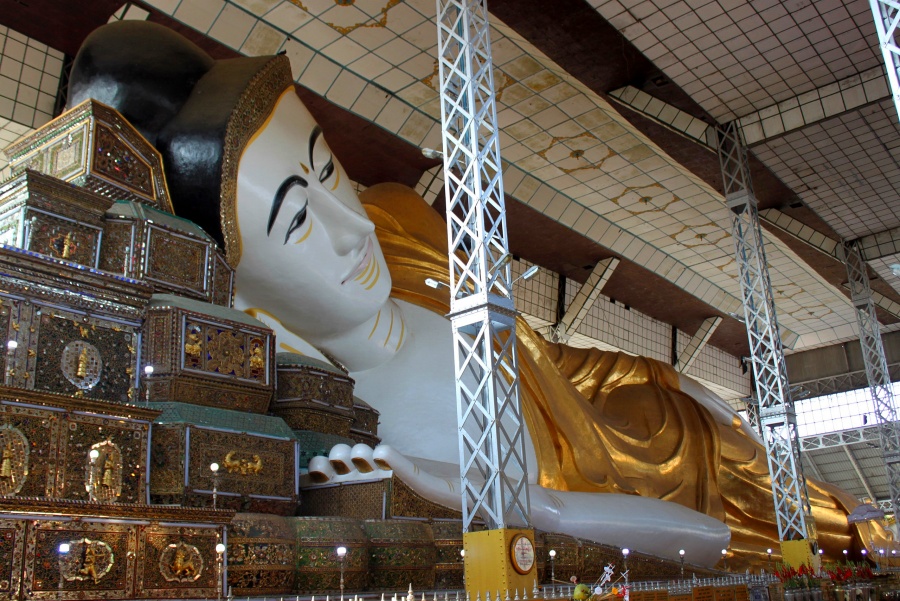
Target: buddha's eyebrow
(313, 137)
(286, 185)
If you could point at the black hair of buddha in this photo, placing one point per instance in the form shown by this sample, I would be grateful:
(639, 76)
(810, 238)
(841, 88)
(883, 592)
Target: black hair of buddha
(197, 111)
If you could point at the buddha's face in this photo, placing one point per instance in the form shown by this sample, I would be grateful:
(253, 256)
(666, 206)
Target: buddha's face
(309, 254)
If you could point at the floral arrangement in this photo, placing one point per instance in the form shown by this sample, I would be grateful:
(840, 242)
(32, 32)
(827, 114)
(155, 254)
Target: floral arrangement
(802, 577)
(849, 572)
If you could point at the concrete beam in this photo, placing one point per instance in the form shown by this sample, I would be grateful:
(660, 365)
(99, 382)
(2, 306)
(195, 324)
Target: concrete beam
(830, 247)
(808, 458)
(880, 245)
(584, 299)
(859, 473)
(676, 119)
(817, 105)
(690, 353)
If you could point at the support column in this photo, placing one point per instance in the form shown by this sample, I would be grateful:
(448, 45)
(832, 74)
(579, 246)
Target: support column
(690, 353)
(796, 530)
(491, 429)
(584, 300)
(876, 365)
(887, 19)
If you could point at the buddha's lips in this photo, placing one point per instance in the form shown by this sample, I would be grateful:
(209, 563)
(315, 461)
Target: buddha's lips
(363, 263)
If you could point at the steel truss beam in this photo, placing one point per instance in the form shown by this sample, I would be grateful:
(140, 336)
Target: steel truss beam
(876, 365)
(491, 430)
(887, 19)
(852, 380)
(776, 410)
(840, 438)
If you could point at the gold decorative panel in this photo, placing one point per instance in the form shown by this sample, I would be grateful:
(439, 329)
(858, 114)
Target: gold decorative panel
(223, 281)
(116, 475)
(92, 146)
(95, 566)
(47, 216)
(167, 464)
(177, 562)
(256, 473)
(261, 555)
(364, 500)
(84, 355)
(14, 452)
(12, 555)
(173, 255)
(318, 567)
(401, 552)
(250, 465)
(311, 398)
(205, 359)
(177, 260)
(404, 502)
(40, 430)
(47, 452)
(116, 160)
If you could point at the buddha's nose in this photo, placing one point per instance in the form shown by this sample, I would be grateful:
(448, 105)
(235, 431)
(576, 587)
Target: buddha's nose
(346, 228)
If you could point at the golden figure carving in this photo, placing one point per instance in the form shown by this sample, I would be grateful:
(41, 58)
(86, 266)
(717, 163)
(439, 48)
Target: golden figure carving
(183, 566)
(108, 478)
(83, 358)
(65, 246)
(192, 346)
(69, 246)
(6, 466)
(89, 560)
(81, 363)
(610, 422)
(244, 467)
(181, 562)
(257, 361)
(89, 563)
(104, 472)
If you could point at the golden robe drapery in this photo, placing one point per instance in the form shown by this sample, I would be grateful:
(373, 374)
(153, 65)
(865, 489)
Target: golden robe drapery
(610, 422)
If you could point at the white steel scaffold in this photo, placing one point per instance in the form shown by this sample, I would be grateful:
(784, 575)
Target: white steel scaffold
(776, 409)
(887, 21)
(491, 430)
(876, 365)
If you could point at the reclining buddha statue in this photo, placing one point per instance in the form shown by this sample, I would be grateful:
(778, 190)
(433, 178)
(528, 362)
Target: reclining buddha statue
(621, 449)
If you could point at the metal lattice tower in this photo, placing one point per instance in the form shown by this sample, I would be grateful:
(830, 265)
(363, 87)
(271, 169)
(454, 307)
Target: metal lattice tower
(887, 20)
(776, 409)
(876, 365)
(491, 430)
(753, 414)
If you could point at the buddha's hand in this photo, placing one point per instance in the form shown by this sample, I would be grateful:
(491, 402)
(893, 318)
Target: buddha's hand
(642, 524)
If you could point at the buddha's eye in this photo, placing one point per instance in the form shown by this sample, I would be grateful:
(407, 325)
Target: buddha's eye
(327, 170)
(298, 220)
(320, 156)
